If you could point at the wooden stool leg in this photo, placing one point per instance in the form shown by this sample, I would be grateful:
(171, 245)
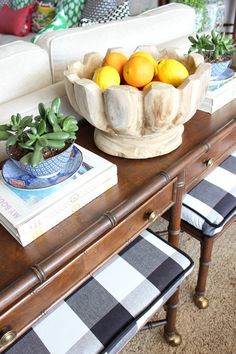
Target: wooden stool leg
(172, 337)
(200, 300)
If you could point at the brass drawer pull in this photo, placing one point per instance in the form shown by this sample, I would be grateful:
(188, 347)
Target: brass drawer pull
(152, 216)
(209, 163)
(7, 336)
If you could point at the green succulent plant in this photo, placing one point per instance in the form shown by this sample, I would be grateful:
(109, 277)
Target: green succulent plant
(214, 46)
(50, 130)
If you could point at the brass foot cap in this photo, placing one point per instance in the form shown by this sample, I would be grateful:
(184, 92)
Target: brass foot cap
(174, 339)
(201, 302)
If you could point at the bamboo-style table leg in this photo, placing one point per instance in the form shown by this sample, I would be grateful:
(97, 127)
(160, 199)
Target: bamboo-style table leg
(200, 300)
(171, 335)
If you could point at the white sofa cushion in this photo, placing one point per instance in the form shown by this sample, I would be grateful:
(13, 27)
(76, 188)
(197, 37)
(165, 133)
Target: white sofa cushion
(164, 25)
(24, 68)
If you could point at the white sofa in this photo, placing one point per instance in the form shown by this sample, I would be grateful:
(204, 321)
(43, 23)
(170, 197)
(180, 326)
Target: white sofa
(33, 73)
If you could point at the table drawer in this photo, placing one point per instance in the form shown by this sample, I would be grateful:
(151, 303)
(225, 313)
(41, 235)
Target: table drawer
(133, 224)
(216, 151)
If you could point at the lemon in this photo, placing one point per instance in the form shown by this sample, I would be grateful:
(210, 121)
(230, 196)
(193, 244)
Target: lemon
(171, 71)
(106, 76)
(151, 83)
(147, 56)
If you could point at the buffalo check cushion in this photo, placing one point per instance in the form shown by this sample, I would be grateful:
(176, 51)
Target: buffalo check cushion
(212, 203)
(113, 304)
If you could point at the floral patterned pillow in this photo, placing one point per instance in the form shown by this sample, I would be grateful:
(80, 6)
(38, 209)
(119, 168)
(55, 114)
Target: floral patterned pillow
(43, 14)
(59, 22)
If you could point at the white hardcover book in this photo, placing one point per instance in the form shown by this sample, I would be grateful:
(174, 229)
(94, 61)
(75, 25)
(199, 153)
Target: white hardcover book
(25, 213)
(219, 95)
(48, 218)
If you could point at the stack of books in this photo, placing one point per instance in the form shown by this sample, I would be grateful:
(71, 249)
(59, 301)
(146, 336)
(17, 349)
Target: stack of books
(219, 93)
(27, 214)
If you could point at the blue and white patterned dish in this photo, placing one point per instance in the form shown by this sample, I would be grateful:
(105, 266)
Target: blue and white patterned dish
(227, 74)
(16, 177)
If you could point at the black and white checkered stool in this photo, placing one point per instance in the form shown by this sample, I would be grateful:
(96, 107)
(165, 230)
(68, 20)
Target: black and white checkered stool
(208, 209)
(113, 304)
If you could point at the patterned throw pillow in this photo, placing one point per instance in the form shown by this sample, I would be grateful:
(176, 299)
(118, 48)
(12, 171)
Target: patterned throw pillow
(96, 9)
(118, 13)
(43, 14)
(5, 2)
(15, 22)
(59, 22)
(72, 10)
(18, 4)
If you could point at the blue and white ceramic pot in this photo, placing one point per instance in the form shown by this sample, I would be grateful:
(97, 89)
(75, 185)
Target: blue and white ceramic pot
(49, 167)
(219, 68)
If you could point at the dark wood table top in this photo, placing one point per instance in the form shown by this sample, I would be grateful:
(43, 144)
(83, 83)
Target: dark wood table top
(137, 180)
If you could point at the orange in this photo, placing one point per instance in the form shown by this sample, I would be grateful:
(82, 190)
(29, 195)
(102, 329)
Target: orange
(149, 57)
(116, 60)
(138, 71)
(151, 83)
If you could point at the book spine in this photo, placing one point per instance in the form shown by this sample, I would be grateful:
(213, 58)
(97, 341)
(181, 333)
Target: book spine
(220, 97)
(16, 210)
(218, 102)
(53, 215)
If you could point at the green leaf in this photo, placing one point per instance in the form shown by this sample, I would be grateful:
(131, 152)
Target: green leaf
(72, 136)
(26, 159)
(55, 106)
(69, 124)
(57, 136)
(42, 110)
(18, 118)
(32, 136)
(52, 118)
(13, 120)
(11, 140)
(37, 155)
(42, 127)
(4, 127)
(56, 144)
(34, 131)
(26, 121)
(4, 135)
(192, 39)
(43, 141)
(27, 144)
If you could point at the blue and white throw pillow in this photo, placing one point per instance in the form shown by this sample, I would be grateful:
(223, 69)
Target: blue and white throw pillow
(119, 12)
(95, 9)
(5, 2)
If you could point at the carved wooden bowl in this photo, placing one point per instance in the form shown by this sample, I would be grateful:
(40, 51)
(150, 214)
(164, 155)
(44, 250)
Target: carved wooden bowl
(132, 123)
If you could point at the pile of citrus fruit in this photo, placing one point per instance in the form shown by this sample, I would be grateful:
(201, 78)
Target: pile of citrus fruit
(140, 70)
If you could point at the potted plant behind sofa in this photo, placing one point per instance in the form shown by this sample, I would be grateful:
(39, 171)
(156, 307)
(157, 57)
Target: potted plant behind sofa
(200, 10)
(40, 145)
(216, 49)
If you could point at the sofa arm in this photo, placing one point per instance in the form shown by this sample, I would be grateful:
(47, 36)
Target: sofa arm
(24, 68)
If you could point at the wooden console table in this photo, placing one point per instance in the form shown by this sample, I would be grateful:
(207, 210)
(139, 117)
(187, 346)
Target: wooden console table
(38, 276)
